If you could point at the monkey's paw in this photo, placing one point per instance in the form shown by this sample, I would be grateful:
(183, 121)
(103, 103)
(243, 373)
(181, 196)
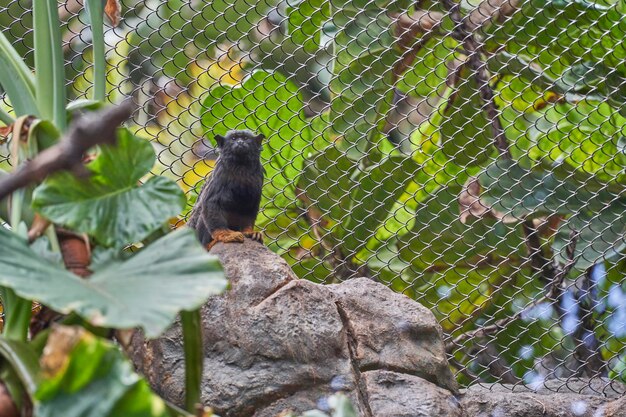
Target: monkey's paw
(226, 236)
(257, 236)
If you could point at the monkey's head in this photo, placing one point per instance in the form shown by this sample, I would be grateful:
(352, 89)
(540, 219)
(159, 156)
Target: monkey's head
(240, 145)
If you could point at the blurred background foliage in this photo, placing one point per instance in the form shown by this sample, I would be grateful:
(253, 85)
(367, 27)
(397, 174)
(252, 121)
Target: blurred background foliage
(380, 159)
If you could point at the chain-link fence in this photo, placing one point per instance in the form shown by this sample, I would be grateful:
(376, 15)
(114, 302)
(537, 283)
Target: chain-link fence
(470, 155)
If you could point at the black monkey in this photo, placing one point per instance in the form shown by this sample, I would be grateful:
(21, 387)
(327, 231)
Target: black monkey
(229, 201)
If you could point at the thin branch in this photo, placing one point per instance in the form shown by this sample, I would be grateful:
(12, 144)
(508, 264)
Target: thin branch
(465, 36)
(412, 32)
(489, 357)
(539, 263)
(551, 296)
(587, 351)
(489, 12)
(94, 129)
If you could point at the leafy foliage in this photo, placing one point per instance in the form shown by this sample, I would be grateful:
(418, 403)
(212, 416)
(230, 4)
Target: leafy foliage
(148, 290)
(87, 376)
(110, 204)
(83, 375)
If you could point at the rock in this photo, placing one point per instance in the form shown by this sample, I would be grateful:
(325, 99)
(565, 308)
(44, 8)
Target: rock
(402, 395)
(498, 400)
(393, 332)
(274, 343)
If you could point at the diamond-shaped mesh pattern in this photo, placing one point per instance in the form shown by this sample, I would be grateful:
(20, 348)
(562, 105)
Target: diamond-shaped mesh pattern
(470, 155)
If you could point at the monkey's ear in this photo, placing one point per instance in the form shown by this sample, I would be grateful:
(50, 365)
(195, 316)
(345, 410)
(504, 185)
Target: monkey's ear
(220, 140)
(258, 139)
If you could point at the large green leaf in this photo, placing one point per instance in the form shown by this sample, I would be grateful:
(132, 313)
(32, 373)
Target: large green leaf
(362, 82)
(549, 30)
(266, 103)
(600, 234)
(209, 24)
(95, 9)
(49, 64)
(465, 130)
(597, 217)
(110, 205)
(513, 190)
(429, 71)
(440, 239)
(584, 135)
(148, 290)
(306, 19)
(379, 189)
(16, 80)
(89, 377)
(328, 180)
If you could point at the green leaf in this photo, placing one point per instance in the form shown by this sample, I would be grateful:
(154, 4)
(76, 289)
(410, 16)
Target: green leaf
(429, 71)
(585, 136)
(440, 239)
(328, 181)
(110, 205)
(362, 82)
(89, 377)
(465, 131)
(45, 133)
(17, 80)
(49, 63)
(95, 9)
(306, 19)
(456, 295)
(581, 77)
(270, 104)
(597, 217)
(221, 21)
(517, 65)
(23, 360)
(379, 189)
(600, 234)
(513, 190)
(148, 290)
(84, 104)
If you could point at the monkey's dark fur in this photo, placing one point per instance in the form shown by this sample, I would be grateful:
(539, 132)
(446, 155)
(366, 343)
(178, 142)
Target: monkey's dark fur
(229, 201)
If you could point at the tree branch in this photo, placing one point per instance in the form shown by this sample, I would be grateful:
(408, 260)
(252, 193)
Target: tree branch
(94, 129)
(587, 351)
(552, 295)
(465, 36)
(489, 12)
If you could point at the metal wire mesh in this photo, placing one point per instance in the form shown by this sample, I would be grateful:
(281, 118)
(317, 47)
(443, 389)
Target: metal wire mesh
(470, 155)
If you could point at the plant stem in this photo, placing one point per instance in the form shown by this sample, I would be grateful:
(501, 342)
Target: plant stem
(49, 70)
(17, 316)
(17, 311)
(192, 340)
(96, 19)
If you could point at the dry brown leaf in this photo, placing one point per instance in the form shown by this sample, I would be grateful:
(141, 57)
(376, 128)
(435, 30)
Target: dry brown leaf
(113, 10)
(60, 344)
(470, 204)
(39, 225)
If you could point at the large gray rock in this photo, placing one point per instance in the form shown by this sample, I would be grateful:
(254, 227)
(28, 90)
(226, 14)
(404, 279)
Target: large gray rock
(558, 398)
(275, 343)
